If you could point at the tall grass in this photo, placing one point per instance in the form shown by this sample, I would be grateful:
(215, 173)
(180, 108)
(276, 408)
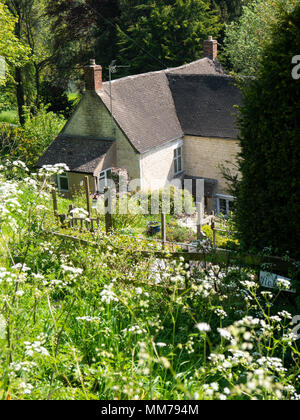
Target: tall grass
(10, 117)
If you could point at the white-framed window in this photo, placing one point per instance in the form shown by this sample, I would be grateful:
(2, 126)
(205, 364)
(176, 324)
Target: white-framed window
(224, 204)
(63, 182)
(103, 177)
(178, 160)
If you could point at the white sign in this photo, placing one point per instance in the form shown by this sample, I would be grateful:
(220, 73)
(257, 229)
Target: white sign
(296, 69)
(275, 281)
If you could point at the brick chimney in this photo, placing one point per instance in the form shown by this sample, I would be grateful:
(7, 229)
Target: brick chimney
(93, 76)
(211, 48)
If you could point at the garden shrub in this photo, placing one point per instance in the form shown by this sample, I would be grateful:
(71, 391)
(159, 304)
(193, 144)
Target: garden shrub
(57, 99)
(28, 143)
(180, 234)
(181, 201)
(221, 241)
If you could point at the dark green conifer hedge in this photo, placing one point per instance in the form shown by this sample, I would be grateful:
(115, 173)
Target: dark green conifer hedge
(268, 196)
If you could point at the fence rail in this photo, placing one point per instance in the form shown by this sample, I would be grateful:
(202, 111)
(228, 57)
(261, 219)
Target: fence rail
(215, 256)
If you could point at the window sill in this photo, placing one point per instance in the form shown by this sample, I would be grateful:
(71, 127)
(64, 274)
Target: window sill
(179, 174)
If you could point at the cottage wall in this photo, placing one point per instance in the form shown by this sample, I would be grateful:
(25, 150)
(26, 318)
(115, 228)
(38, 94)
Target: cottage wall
(203, 155)
(157, 166)
(76, 184)
(126, 156)
(90, 119)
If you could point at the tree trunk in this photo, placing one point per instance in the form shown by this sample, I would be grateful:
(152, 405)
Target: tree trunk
(37, 84)
(20, 96)
(19, 81)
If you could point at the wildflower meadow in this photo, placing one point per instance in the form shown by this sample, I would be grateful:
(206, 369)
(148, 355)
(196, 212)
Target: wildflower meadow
(105, 323)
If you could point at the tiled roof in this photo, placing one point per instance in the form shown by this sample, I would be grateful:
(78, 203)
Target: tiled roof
(79, 154)
(143, 105)
(154, 108)
(205, 104)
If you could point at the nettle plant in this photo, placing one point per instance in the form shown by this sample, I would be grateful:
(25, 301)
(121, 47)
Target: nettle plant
(108, 323)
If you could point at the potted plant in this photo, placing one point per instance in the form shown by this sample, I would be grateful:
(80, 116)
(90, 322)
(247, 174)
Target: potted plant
(153, 227)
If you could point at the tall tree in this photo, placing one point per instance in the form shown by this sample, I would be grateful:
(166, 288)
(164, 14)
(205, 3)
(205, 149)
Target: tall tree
(268, 196)
(12, 51)
(30, 29)
(246, 38)
(229, 9)
(82, 30)
(165, 33)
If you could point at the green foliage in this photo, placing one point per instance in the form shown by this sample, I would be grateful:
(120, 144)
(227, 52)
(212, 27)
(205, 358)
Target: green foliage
(7, 97)
(229, 9)
(222, 241)
(81, 30)
(10, 117)
(56, 99)
(11, 49)
(169, 200)
(30, 142)
(246, 39)
(269, 193)
(165, 33)
(43, 126)
(179, 234)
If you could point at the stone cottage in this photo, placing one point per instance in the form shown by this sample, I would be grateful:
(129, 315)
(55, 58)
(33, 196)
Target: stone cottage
(171, 124)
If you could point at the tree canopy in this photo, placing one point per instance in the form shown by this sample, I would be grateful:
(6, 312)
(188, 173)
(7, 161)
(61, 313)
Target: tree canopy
(14, 53)
(166, 34)
(247, 37)
(229, 9)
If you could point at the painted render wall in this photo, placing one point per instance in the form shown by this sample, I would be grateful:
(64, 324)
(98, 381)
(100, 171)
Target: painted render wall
(157, 166)
(90, 119)
(76, 184)
(203, 155)
(127, 157)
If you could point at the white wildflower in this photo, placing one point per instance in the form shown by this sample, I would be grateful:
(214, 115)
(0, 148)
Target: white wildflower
(203, 327)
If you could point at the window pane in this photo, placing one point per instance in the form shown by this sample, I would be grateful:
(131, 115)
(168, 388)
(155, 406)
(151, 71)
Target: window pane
(179, 165)
(64, 183)
(102, 185)
(223, 208)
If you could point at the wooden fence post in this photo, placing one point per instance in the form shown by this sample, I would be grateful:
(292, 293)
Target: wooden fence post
(163, 230)
(214, 233)
(199, 207)
(87, 192)
(107, 206)
(71, 222)
(54, 198)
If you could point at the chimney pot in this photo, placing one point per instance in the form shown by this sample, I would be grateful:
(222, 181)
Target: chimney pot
(93, 76)
(210, 47)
